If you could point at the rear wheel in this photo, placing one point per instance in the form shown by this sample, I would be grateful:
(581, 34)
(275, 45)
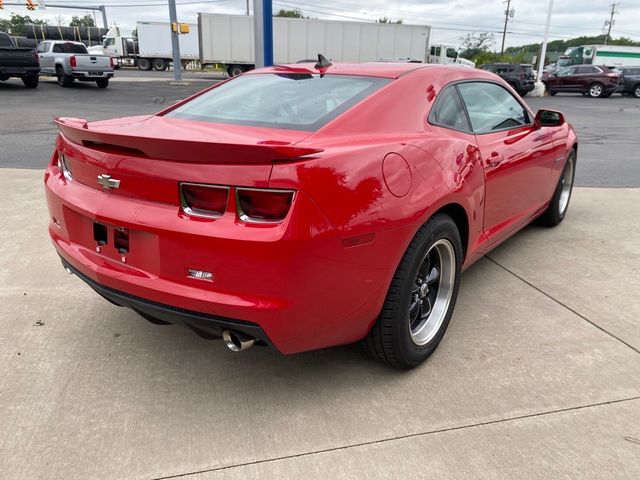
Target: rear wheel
(159, 64)
(64, 80)
(30, 81)
(636, 91)
(235, 70)
(144, 64)
(596, 90)
(102, 82)
(421, 297)
(557, 209)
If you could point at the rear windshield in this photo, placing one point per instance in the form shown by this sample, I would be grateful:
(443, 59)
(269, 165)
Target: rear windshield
(69, 48)
(287, 101)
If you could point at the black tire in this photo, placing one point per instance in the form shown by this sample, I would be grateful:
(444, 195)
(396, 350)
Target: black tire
(64, 80)
(553, 93)
(595, 90)
(555, 212)
(144, 64)
(391, 339)
(102, 82)
(30, 81)
(159, 64)
(235, 70)
(636, 91)
(523, 93)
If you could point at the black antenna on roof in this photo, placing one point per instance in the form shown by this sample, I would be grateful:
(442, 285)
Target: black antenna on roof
(322, 62)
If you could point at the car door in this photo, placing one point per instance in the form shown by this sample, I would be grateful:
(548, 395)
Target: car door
(517, 157)
(583, 76)
(45, 61)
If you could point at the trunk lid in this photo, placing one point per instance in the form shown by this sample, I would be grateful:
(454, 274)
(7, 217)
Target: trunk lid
(150, 155)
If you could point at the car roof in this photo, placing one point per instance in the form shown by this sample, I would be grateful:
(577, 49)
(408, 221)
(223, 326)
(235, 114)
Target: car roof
(373, 69)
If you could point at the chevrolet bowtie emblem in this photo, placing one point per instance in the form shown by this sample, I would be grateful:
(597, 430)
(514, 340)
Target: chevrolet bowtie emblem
(107, 182)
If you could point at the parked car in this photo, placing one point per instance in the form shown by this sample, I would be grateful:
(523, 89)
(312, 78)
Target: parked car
(591, 80)
(630, 81)
(304, 206)
(18, 62)
(520, 76)
(69, 61)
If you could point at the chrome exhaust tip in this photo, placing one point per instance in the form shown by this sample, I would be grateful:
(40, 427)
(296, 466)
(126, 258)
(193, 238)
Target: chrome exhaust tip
(68, 270)
(237, 341)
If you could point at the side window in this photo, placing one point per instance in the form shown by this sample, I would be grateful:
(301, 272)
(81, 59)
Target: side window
(451, 53)
(492, 108)
(57, 48)
(448, 111)
(110, 41)
(40, 48)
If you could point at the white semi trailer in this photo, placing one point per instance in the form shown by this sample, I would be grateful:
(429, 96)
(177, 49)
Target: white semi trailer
(151, 48)
(228, 40)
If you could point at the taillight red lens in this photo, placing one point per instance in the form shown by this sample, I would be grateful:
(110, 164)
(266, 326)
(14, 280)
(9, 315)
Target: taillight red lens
(72, 61)
(113, 62)
(203, 200)
(260, 205)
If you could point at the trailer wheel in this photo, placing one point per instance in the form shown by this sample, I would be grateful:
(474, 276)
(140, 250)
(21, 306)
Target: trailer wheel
(144, 64)
(159, 64)
(235, 70)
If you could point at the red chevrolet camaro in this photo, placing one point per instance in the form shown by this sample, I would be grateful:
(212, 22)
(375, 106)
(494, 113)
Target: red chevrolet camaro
(306, 206)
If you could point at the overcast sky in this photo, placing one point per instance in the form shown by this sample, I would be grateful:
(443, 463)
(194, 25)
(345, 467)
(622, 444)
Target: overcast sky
(450, 19)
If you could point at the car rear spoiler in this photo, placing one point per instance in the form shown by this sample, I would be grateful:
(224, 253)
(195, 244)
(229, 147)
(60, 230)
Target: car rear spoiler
(175, 145)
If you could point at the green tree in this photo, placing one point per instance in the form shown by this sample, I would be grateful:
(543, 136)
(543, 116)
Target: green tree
(295, 13)
(474, 44)
(388, 20)
(16, 24)
(85, 21)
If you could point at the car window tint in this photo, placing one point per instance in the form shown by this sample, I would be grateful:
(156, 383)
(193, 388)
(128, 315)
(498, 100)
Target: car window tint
(491, 107)
(448, 111)
(69, 48)
(298, 101)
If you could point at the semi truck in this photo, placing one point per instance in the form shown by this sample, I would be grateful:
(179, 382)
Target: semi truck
(608, 55)
(151, 48)
(228, 40)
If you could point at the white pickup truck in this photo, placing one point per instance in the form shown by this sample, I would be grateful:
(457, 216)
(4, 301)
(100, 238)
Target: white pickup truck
(69, 61)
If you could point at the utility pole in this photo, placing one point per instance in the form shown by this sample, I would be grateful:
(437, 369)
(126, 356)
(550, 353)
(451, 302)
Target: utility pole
(507, 13)
(609, 23)
(175, 42)
(538, 91)
(247, 8)
(263, 33)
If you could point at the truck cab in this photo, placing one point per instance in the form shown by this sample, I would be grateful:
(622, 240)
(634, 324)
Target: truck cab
(447, 54)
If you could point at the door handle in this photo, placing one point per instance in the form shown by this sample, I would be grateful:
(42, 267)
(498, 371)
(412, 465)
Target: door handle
(495, 159)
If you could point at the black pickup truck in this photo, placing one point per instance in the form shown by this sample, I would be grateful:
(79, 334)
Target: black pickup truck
(18, 62)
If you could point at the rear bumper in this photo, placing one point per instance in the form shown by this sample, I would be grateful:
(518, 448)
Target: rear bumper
(81, 75)
(293, 285)
(205, 325)
(19, 71)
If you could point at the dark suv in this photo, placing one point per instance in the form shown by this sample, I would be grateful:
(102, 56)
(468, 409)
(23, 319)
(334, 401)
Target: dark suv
(519, 75)
(630, 81)
(591, 80)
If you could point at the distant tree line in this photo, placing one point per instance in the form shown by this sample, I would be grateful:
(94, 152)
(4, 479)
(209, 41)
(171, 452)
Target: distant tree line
(16, 24)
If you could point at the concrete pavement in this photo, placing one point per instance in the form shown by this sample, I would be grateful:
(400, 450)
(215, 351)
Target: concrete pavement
(537, 377)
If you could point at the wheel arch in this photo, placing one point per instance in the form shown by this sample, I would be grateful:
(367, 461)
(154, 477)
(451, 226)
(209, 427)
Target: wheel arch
(459, 215)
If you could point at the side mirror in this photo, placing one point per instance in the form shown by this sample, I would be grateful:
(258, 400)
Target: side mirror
(549, 118)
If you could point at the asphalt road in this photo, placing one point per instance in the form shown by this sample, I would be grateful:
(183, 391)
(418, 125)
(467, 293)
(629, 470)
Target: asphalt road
(607, 128)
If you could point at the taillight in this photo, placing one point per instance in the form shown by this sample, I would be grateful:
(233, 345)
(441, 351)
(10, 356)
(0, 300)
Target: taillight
(203, 200)
(36, 57)
(72, 61)
(63, 166)
(113, 62)
(263, 205)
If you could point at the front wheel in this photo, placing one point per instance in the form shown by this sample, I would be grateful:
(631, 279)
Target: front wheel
(421, 297)
(102, 82)
(636, 91)
(557, 209)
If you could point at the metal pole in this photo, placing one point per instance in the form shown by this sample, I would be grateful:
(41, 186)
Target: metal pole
(247, 8)
(258, 34)
(104, 16)
(175, 42)
(506, 20)
(267, 19)
(538, 91)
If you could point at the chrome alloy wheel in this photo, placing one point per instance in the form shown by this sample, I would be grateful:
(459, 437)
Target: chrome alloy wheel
(595, 90)
(431, 292)
(567, 184)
